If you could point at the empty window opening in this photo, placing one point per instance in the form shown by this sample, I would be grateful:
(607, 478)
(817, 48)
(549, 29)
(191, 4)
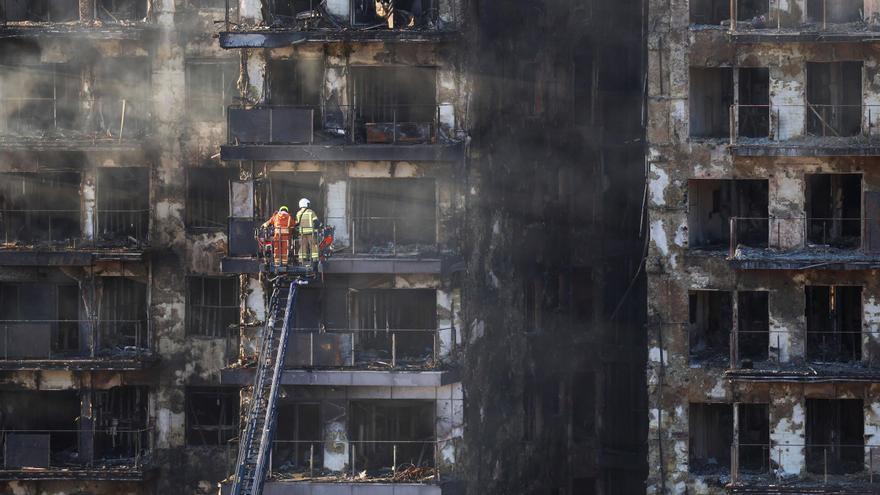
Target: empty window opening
(297, 83)
(400, 324)
(123, 205)
(211, 86)
(711, 205)
(754, 437)
(120, 416)
(123, 325)
(835, 12)
(40, 428)
(286, 189)
(710, 320)
(212, 306)
(284, 12)
(394, 104)
(753, 320)
(717, 12)
(752, 10)
(393, 215)
(299, 440)
(754, 102)
(834, 98)
(835, 436)
(212, 415)
(710, 435)
(24, 215)
(121, 102)
(376, 426)
(39, 98)
(39, 321)
(121, 10)
(834, 210)
(207, 198)
(393, 14)
(834, 323)
(711, 94)
(39, 10)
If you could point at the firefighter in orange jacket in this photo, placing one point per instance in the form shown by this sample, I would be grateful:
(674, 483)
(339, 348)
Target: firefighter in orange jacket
(283, 223)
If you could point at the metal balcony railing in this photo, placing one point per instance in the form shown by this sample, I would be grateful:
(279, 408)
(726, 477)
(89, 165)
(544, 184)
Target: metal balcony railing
(781, 123)
(823, 460)
(393, 235)
(98, 120)
(121, 448)
(822, 346)
(62, 228)
(339, 124)
(795, 233)
(22, 340)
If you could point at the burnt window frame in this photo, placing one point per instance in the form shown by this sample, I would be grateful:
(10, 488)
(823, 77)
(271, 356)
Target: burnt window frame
(47, 15)
(140, 232)
(197, 102)
(713, 355)
(200, 199)
(723, 454)
(228, 398)
(66, 187)
(820, 224)
(360, 194)
(193, 326)
(727, 98)
(841, 338)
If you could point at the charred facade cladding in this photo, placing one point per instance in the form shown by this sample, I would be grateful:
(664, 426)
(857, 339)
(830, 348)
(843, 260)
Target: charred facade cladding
(763, 200)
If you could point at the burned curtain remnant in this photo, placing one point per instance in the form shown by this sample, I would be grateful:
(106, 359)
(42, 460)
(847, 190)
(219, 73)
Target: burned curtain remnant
(834, 323)
(394, 104)
(711, 94)
(710, 435)
(713, 203)
(212, 415)
(834, 98)
(709, 326)
(123, 205)
(401, 321)
(834, 210)
(212, 306)
(376, 427)
(394, 215)
(123, 315)
(39, 321)
(835, 436)
(40, 208)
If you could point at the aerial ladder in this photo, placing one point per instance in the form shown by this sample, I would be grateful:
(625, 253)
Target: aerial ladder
(256, 438)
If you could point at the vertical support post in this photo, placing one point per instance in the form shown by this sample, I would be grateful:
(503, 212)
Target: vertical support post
(352, 349)
(394, 459)
(733, 16)
(824, 15)
(122, 120)
(825, 464)
(732, 237)
(734, 334)
(312, 349)
(394, 357)
(353, 457)
(311, 460)
(394, 129)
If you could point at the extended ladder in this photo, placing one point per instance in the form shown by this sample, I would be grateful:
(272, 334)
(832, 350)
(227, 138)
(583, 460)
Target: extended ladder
(256, 439)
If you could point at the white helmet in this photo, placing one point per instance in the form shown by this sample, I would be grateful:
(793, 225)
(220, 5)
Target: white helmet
(304, 203)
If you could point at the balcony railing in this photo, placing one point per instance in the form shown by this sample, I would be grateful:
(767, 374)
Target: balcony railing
(797, 233)
(825, 19)
(365, 347)
(97, 121)
(339, 124)
(120, 448)
(61, 229)
(393, 235)
(840, 124)
(821, 460)
(822, 346)
(74, 339)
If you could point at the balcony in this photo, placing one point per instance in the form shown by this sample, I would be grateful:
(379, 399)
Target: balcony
(802, 243)
(75, 344)
(805, 130)
(312, 21)
(398, 132)
(115, 454)
(125, 20)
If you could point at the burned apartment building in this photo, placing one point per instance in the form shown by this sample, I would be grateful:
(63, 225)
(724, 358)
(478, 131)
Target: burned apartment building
(488, 238)
(762, 282)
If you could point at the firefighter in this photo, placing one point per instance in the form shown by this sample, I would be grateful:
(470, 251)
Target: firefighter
(283, 222)
(307, 226)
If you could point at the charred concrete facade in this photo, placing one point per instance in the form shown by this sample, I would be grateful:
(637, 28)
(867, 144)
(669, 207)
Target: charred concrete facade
(762, 266)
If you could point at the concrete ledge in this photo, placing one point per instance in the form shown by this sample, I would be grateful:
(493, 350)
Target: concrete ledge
(121, 473)
(812, 374)
(80, 31)
(346, 265)
(78, 364)
(804, 150)
(346, 378)
(339, 152)
(71, 257)
(278, 38)
(330, 488)
(774, 36)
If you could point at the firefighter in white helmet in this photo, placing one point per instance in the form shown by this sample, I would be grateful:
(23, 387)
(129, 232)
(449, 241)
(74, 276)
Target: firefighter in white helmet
(307, 225)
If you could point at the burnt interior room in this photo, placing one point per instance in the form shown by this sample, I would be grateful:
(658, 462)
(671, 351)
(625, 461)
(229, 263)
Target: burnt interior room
(120, 421)
(39, 10)
(710, 317)
(711, 95)
(406, 13)
(410, 315)
(123, 99)
(121, 10)
(23, 213)
(711, 205)
(299, 443)
(211, 88)
(122, 310)
(835, 431)
(394, 104)
(754, 102)
(835, 12)
(710, 435)
(834, 210)
(394, 215)
(299, 83)
(376, 426)
(39, 320)
(123, 204)
(753, 428)
(834, 323)
(39, 98)
(212, 306)
(753, 332)
(207, 198)
(834, 99)
(212, 415)
(716, 12)
(282, 187)
(40, 428)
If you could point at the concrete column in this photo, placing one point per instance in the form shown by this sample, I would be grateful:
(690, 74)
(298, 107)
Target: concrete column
(336, 445)
(88, 219)
(787, 209)
(787, 97)
(449, 413)
(787, 428)
(872, 429)
(787, 322)
(448, 306)
(255, 65)
(337, 212)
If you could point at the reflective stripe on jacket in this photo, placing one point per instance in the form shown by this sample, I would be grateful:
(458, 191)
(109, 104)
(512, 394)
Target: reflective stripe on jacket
(305, 220)
(281, 221)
